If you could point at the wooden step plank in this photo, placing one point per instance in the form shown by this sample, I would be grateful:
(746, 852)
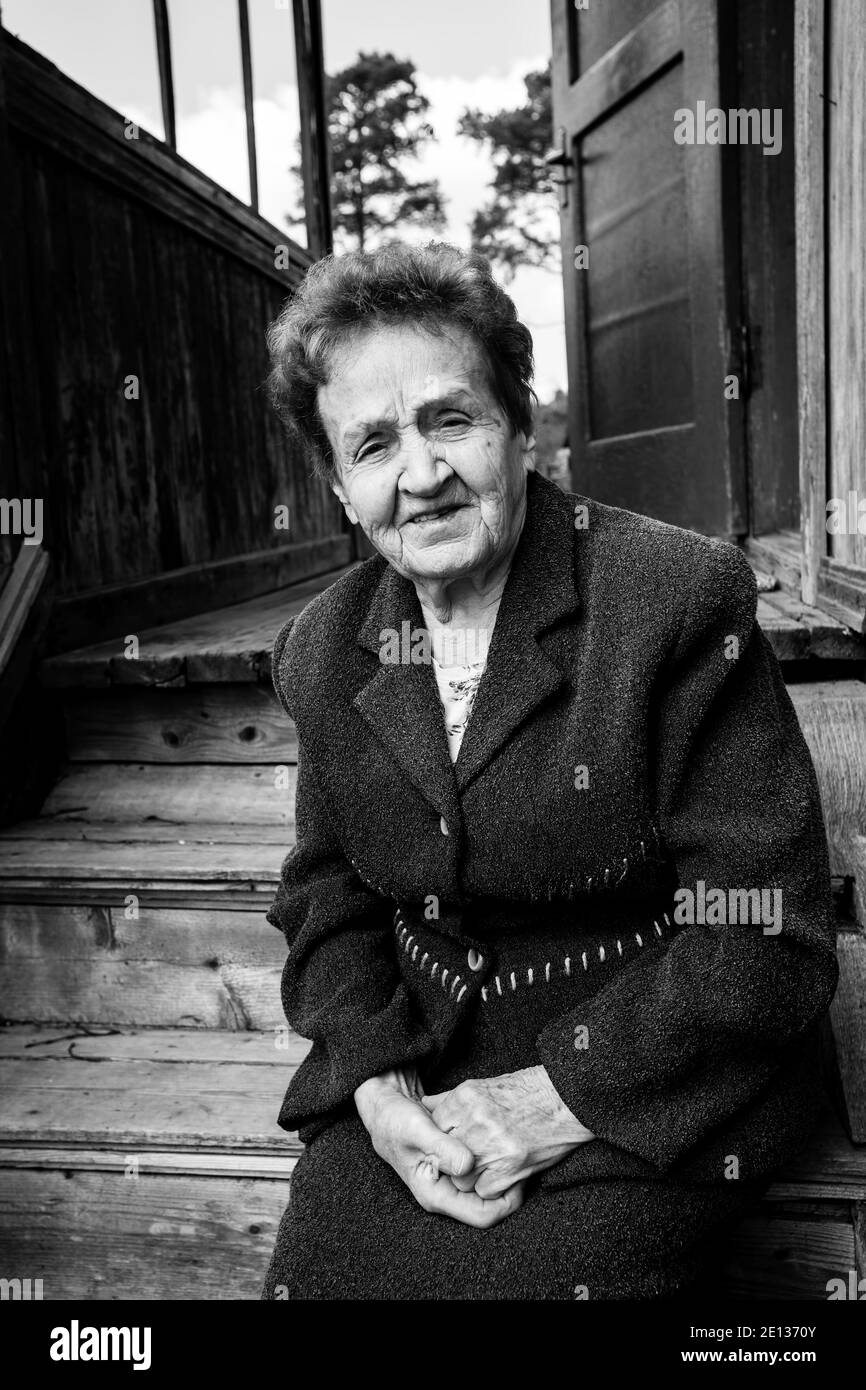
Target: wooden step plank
(128, 993)
(169, 1045)
(208, 937)
(176, 895)
(824, 637)
(848, 1016)
(166, 1082)
(160, 968)
(228, 644)
(187, 1046)
(176, 1162)
(137, 865)
(832, 715)
(102, 1236)
(95, 1099)
(786, 1260)
(150, 831)
(248, 794)
(857, 861)
(788, 638)
(199, 724)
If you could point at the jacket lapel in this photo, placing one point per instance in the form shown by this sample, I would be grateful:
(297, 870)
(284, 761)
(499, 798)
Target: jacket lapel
(540, 590)
(401, 701)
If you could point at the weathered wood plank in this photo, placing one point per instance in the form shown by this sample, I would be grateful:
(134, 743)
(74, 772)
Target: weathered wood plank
(95, 965)
(787, 1259)
(205, 724)
(832, 715)
(848, 1015)
(168, 1045)
(227, 644)
(246, 794)
(177, 1162)
(127, 867)
(845, 115)
(149, 832)
(857, 845)
(98, 614)
(148, 1111)
(810, 182)
(18, 596)
(126, 993)
(103, 1236)
(777, 554)
(186, 1081)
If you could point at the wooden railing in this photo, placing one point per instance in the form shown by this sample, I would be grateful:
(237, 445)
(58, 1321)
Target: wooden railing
(135, 297)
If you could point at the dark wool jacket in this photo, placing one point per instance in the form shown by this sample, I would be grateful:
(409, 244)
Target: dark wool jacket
(630, 649)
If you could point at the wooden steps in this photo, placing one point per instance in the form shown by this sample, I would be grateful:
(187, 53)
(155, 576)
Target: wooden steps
(147, 1054)
(128, 1157)
(228, 645)
(144, 1165)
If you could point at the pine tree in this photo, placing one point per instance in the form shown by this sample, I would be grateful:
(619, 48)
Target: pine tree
(519, 225)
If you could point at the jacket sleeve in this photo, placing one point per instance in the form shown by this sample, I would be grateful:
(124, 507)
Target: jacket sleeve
(692, 1030)
(341, 984)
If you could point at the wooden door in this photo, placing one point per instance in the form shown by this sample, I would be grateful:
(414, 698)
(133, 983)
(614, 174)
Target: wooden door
(654, 426)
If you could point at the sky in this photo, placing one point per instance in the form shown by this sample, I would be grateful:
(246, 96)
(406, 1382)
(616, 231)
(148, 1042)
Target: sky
(467, 52)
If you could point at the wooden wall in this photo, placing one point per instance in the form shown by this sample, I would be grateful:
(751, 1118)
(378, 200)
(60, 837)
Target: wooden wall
(846, 262)
(129, 262)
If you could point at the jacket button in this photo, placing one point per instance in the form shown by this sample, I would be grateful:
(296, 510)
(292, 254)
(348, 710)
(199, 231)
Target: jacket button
(443, 826)
(474, 960)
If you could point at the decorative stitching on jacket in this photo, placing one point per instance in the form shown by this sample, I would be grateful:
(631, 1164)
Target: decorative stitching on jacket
(406, 941)
(591, 883)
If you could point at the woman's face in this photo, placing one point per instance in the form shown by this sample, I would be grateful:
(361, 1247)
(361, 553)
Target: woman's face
(427, 463)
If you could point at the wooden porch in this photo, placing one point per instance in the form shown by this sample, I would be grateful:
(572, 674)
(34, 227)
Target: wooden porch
(149, 801)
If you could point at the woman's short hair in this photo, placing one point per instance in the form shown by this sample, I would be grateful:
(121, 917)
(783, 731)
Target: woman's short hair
(435, 286)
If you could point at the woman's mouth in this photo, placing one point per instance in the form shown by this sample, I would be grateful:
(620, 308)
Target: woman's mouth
(440, 514)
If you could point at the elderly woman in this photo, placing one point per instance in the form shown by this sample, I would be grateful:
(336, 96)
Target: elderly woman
(558, 915)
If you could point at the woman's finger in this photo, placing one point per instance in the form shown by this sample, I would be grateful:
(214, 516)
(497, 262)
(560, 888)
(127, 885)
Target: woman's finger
(455, 1157)
(442, 1197)
(420, 1133)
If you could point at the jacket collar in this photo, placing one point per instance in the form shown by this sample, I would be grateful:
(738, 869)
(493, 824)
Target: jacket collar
(401, 701)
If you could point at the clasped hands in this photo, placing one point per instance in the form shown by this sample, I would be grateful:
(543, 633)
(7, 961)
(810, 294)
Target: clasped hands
(467, 1153)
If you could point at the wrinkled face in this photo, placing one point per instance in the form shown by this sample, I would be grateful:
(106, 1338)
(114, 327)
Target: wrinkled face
(427, 462)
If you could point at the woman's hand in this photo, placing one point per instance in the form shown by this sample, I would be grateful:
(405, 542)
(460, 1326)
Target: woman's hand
(428, 1161)
(515, 1125)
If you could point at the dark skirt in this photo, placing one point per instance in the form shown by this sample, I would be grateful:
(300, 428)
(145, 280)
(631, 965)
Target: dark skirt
(352, 1230)
(601, 1225)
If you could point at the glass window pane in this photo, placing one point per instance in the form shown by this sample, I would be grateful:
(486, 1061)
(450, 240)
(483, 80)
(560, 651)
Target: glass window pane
(275, 91)
(108, 46)
(208, 90)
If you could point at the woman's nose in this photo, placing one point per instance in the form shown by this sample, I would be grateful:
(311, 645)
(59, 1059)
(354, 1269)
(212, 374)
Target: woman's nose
(421, 471)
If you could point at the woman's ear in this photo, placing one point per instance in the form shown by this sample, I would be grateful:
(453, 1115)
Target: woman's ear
(338, 488)
(528, 452)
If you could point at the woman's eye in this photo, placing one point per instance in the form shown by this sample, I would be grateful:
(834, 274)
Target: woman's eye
(451, 421)
(370, 449)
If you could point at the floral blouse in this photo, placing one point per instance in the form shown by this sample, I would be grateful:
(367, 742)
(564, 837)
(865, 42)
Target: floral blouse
(458, 686)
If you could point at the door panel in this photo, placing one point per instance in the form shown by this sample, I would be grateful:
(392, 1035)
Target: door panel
(647, 318)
